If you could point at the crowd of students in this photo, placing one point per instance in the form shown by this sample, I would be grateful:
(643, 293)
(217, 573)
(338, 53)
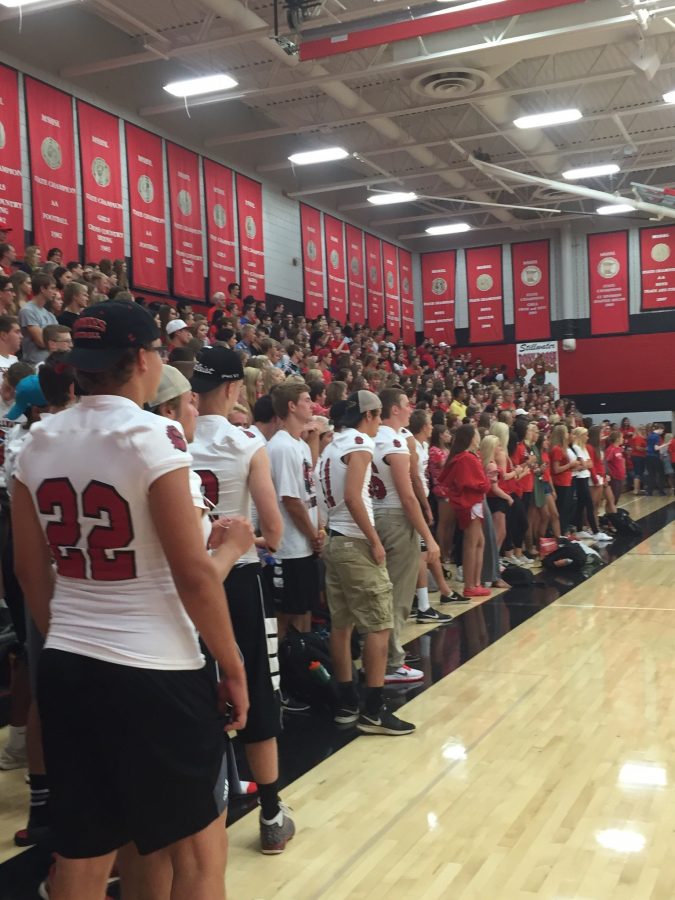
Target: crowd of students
(158, 460)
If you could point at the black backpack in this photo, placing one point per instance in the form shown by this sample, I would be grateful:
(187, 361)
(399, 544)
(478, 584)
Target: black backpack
(623, 524)
(569, 555)
(297, 652)
(515, 576)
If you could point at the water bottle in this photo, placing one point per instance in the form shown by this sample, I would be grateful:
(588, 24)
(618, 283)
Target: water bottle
(319, 672)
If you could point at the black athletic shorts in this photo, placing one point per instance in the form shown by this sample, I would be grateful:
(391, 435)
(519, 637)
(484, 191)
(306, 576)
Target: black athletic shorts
(294, 585)
(255, 630)
(497, 504)
(132, 754)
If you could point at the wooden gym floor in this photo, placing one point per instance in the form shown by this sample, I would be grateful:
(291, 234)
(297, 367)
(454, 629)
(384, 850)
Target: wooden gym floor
(542, 767)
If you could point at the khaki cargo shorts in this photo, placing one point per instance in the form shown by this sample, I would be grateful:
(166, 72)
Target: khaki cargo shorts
(358, 590)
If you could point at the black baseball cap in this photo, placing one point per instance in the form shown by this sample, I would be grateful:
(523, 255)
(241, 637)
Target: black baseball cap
(104, 332)
(215, 366)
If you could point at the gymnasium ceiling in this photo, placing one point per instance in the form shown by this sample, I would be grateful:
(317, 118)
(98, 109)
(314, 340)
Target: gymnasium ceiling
(413, 111)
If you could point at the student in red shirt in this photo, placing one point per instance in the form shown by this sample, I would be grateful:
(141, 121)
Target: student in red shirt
(599, 479)
(638, 452)
(616, 464)
(562, 468)
(548, 512)
(467, 485)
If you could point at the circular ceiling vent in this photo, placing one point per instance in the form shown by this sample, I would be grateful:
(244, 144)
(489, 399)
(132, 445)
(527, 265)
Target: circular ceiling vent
(551, 195)
(449, 84)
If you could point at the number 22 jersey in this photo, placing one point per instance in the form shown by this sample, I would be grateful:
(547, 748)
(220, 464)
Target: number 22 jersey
(89, 470)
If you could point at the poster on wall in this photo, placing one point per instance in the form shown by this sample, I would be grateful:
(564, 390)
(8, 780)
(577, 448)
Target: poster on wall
(186, 223)
(531, 290)
(438, 296)
(334, 232)
(51, 145)
(657, 267)
(608, 282)
(11, 192)
(145, 164)
(375, 291)
(392, 292)
(407, 302)
(100, 161)
(537, 364)
(219, 202)
(251, 238)
(485, 294)
(356, 282)
(312, 260)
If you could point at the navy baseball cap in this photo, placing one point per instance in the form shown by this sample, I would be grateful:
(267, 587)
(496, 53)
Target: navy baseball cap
(215, 366)
(103, 333)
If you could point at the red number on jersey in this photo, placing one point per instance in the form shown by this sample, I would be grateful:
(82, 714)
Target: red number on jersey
(377, 489)
(99, 500)
(58, 494)
(108, 562)
(210, 486)
(324, 478)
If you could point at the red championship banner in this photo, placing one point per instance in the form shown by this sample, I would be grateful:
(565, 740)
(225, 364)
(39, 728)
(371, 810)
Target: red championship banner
(11, 194)
(103, 215)
(657, 267)
(438, 295)
(356, 275)
(312, 260)
(219, 195)
(407, 302)
(334, 232)
(251, 240)
(51, 144)
(375, 292)
(392, 293)
(485, 294)
(186, 223)
(608, 282)
(145, 165)
(531, 290)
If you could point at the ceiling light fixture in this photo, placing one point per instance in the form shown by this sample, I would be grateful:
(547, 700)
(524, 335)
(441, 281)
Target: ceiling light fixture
(384, 199)
(207, 84)
(309, 157)
(15, 4)
(543, 120)
(615, 209)
(591, 171)
(456, 228)
(669, 97)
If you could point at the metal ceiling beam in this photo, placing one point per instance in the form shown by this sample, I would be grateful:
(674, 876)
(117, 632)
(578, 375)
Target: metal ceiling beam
(516, 225)
(425, 58)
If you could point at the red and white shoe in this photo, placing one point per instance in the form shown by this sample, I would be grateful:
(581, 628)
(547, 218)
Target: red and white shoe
(404, 675)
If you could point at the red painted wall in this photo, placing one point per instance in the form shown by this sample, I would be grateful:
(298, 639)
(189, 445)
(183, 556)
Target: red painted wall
(634, 362)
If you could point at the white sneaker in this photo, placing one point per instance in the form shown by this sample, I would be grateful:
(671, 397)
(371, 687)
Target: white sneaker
(585, 535)
(403, 675)
(601, 536)
(522, 561)
(12, 759)
(460, 574)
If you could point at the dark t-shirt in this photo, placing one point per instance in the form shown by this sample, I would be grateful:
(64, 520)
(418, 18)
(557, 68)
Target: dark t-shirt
(67, 318)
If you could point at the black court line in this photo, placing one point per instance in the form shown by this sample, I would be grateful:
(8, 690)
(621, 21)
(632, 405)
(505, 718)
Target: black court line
(308, 740)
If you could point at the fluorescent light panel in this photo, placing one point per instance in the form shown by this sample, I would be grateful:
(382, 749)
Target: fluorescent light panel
(309, 157)
(591, 171)
(669, 97)
(208, 84)
(15, 4)
(542, 120)
(456, 228)
(394, 197)
(615, 209)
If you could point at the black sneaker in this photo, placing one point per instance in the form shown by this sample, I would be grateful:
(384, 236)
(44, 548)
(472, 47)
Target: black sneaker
(413, 609)
(385, 722)
(432, 615)
(346, 715)
(293, 706)
(454, 597)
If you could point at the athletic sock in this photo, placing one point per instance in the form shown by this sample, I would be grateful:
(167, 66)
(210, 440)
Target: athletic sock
(422, 595)
(269, 800)
(374, 700)
(38, 816)
(347, 694)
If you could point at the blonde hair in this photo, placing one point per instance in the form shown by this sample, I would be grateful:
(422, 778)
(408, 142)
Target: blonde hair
(501, 431)
(251, 378)
(271, 376)
(559, 436)
(488, 448)
(579, 436)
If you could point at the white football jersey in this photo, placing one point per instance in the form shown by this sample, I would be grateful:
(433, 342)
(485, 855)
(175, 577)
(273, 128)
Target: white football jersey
(332, 470)
(387, 443)
(89, 470)
(293, 476)
(423, 463)
(221, 456)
